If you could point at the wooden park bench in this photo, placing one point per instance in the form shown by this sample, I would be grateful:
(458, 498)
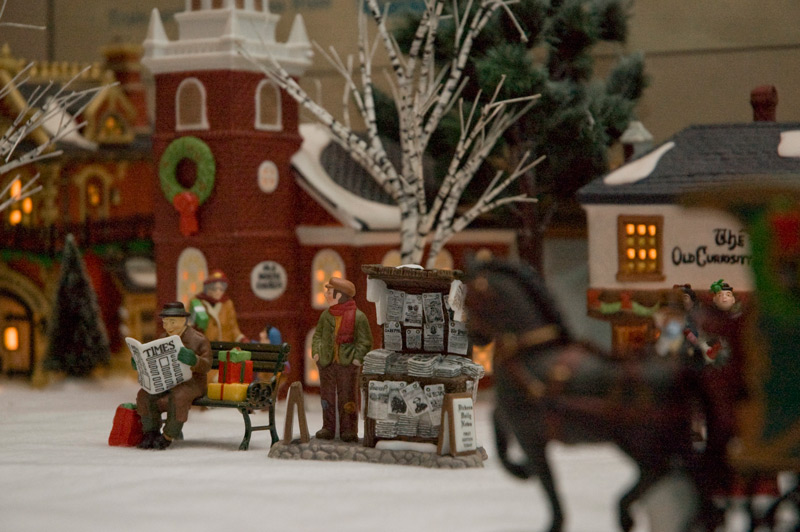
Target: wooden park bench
(260, 394)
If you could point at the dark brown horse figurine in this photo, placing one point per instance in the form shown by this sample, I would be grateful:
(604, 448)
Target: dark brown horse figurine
(549, 387)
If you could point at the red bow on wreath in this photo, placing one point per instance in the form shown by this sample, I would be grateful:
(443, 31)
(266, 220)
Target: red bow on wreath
(186, 203)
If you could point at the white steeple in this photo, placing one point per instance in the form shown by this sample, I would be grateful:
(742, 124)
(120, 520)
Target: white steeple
(156, 36)
(298, 35)
(211, 39)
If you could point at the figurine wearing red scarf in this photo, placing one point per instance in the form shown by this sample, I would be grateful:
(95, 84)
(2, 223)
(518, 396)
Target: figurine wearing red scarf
(213, 312)
(341, 340)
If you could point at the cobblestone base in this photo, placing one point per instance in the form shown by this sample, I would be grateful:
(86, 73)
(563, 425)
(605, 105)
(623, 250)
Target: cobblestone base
(337, 451)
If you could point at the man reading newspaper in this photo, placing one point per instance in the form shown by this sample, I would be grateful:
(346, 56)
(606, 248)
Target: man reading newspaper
(176, 401)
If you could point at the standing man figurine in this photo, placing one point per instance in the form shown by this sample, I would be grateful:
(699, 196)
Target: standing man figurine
(721, 322)
(213, 311)
(341, 340)
(196, 352)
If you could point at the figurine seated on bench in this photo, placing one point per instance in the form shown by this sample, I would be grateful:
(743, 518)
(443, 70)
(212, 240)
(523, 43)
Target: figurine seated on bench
(197, 354)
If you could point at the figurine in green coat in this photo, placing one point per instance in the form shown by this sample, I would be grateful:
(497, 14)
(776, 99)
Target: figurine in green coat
(341, 340)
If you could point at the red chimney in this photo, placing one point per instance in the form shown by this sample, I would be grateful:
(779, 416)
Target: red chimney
(764, 100)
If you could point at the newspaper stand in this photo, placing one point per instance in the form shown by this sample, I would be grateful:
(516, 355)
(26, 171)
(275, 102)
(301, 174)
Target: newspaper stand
(403, 336)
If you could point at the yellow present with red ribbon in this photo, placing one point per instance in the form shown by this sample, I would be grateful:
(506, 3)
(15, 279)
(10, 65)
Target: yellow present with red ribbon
(227, 391)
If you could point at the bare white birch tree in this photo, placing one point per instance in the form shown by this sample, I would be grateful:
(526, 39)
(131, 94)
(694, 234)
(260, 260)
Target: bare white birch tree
(423, 95)
(47, 108)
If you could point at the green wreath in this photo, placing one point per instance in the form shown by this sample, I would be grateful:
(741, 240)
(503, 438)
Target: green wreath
(199, 152)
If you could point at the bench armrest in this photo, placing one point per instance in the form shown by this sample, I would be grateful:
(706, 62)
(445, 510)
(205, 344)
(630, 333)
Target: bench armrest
(259, 394)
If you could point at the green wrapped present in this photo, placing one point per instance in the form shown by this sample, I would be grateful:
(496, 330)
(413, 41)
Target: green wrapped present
(234, 355)
(198, 314)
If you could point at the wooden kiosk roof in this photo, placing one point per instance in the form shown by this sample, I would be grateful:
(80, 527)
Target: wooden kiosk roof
(413, 278)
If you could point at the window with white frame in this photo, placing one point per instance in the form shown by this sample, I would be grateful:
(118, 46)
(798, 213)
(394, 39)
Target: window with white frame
(190, 105)
(268, 107)
(326, 264)
(192, 270)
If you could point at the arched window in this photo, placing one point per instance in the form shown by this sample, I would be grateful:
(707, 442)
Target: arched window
(392, 259)
(192, 271)
(327, 263)
(268, 107)
(95, 200)
(444, 260)
(190, 105)
(113, 128)
(20, 212)
(310, 369)
(94, 184)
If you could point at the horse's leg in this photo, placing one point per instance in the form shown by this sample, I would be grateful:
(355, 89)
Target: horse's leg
(534, 448)
(501, 435)
(538, 461)
(647, 478)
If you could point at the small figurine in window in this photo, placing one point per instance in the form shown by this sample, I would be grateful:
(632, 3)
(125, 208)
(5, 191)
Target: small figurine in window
(213, 312)
(340, 341)
(196, 352)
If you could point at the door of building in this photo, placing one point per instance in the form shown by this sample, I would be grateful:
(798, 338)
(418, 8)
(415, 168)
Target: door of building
(16, 336)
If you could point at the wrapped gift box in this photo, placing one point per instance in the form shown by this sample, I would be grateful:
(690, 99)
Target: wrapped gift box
(227, 392)
(126, 430)
(234, 355)
(236, 372)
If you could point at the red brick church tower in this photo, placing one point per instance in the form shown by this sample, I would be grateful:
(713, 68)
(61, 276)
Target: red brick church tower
(223, 140)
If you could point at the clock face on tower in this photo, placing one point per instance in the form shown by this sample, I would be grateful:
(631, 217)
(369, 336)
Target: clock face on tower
(268, 177)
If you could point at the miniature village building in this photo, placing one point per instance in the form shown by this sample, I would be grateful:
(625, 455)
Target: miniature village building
(283, 209)
(99, 189)
(643, 239)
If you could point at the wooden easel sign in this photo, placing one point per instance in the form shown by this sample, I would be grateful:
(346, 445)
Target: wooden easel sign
(457, 436)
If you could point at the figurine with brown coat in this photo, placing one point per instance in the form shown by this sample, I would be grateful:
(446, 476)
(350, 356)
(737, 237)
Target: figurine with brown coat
(196, 352)
(217, 315)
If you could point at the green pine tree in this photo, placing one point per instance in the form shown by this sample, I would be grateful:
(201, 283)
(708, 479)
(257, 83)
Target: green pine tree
(77, 339)
(578, 116)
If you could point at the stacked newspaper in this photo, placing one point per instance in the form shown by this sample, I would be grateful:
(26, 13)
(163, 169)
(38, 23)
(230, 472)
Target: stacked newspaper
(468, 367)
(397, 363)
(447, 368)
(426, 428)
(375, 361)
(407, 425)
(422, 365)
(386, 428)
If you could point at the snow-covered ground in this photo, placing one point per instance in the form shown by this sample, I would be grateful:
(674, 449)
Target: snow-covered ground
(57, 473)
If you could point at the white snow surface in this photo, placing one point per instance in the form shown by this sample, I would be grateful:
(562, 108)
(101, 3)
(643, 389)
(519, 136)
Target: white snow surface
(638, 169)
(57, 472)
(789, 145)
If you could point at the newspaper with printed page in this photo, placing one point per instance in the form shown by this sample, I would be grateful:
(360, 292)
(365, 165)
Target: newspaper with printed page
(158, 365)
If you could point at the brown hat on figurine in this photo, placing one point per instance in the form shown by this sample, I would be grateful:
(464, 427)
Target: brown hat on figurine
(174, 310)
(342, 285)
(216, 276)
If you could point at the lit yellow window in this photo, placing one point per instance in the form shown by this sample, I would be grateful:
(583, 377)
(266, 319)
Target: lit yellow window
(11, 339)
(639, 248)
(326, 264)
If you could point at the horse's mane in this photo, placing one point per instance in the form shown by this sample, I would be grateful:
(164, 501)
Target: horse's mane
(531, 282)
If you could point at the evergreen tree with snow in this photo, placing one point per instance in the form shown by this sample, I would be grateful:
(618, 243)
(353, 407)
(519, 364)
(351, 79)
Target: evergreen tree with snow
(77, 339)
(578, 115)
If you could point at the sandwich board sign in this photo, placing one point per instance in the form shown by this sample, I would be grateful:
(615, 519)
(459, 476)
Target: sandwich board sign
(457, 436)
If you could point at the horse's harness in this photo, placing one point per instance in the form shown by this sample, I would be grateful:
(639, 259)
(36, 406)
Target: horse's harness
(567, 363)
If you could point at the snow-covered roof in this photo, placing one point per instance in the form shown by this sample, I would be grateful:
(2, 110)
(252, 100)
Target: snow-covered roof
(701, 156)
(319, 176)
